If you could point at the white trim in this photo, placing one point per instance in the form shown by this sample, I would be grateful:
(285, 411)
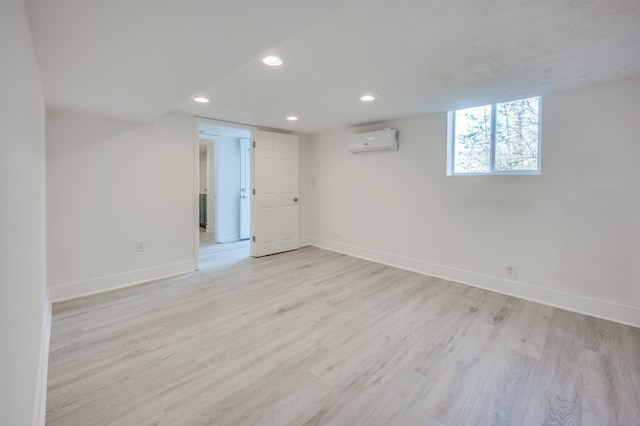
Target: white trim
(196, 194)
(227, 238)
(40, 408)
(624, 314)
(112, 282)
(223, 123)
(306, 241)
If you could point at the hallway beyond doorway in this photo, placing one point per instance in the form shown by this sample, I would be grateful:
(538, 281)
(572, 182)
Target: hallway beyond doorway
(220, 255)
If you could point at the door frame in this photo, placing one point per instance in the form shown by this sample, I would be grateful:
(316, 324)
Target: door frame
(196, 175)
(245, 176)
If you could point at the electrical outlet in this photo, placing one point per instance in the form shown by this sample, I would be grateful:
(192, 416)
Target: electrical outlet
(139, 246)
(510, 271)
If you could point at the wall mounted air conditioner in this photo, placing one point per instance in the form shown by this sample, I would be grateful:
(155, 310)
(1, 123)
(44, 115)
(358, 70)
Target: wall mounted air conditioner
(380, 140)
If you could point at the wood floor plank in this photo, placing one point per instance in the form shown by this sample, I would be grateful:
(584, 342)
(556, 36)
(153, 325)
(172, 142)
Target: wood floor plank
(317, 337)
(458, 388)
(505, 395)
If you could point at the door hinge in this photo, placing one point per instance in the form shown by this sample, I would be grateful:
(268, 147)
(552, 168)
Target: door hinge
(254, 144)
(253, 191)
(253, 238)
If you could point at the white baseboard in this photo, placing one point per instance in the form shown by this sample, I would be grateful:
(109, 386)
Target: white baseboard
(100, 285)
(611, 311)
(40, 408)
(305, 241)
(227, 238)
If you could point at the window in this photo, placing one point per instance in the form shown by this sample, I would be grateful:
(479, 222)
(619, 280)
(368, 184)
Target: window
(497, 139)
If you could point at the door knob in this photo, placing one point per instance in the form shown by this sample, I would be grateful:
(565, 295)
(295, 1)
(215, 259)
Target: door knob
(295, 200)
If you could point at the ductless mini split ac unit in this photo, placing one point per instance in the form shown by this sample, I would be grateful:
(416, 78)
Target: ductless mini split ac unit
(380, 140)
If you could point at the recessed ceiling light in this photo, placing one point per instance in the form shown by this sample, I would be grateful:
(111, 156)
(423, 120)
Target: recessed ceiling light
(368, 98)
(293, 118)
(201, 99)
(273, 61)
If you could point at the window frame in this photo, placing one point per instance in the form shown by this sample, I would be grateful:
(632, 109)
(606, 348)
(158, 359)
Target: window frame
(451, 144)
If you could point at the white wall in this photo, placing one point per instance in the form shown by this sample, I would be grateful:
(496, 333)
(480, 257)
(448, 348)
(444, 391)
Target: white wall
(305, 190)
(573, 233)
(227, 159)
(24, 311)
(211, 183)
(111, 183)
(203, 170)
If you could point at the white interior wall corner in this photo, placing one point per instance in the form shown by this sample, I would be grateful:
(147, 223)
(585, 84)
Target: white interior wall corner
(573, 232)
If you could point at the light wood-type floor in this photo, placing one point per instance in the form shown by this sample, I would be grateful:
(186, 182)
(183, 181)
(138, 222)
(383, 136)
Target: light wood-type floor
(315, 337)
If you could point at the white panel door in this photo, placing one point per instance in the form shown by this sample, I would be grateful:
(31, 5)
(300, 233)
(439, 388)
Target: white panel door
(275, 202)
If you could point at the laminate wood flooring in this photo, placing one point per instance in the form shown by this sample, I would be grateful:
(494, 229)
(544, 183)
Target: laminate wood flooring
(315, 337)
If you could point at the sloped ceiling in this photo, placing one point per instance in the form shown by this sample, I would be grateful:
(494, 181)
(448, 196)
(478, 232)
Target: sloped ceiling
(138, 59)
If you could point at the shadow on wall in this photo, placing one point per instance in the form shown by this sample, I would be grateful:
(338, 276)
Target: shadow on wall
(73, 131)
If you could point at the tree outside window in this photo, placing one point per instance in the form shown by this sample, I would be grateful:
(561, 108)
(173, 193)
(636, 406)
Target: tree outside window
(502, 138)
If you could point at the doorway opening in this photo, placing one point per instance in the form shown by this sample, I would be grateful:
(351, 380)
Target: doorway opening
(248, 181)
(224, 184)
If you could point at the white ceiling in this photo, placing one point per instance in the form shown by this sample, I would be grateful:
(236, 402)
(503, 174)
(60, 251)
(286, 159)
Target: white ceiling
(136, 59)
(139, 59)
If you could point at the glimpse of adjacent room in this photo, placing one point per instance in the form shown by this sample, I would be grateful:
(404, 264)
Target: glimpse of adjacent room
(224, 184)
